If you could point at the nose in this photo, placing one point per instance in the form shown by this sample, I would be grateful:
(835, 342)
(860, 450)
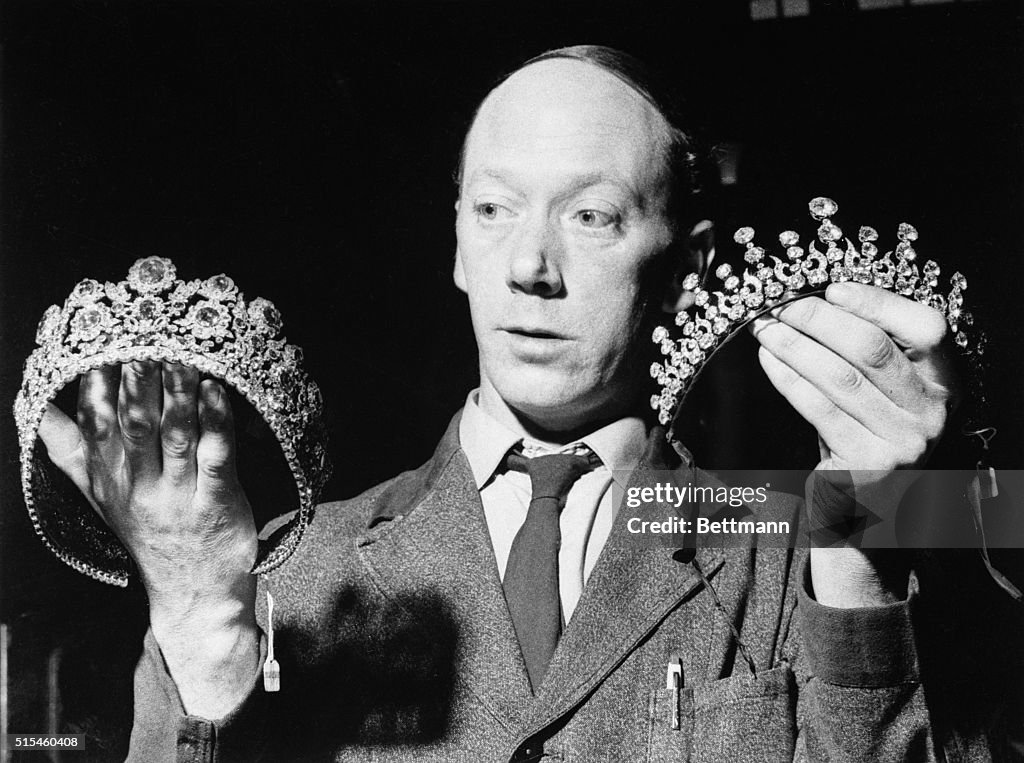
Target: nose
(534, 267)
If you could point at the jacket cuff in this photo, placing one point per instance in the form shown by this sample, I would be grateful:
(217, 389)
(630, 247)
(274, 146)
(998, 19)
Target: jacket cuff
(869, 647)
(162, 725)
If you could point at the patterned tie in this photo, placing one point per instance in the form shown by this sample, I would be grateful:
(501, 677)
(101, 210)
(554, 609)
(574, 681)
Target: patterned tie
(531, 576)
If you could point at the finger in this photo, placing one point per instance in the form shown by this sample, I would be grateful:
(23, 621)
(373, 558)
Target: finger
(179, 426)
(917, 328)
(65, 447)
(834, 425)
(97, 419)
(138, 412)
(832, 377)
(215, 454)
(859, 342)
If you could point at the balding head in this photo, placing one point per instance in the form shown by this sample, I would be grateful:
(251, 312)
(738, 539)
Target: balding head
(563, 221)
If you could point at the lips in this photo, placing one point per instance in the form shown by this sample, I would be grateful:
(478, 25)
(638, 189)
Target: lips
(534, 333)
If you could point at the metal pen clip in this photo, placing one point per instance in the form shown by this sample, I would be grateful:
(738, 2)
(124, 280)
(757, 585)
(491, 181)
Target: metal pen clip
(674, 681)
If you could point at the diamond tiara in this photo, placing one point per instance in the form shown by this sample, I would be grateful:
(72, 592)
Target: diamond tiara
(152, 315)
(717, 316)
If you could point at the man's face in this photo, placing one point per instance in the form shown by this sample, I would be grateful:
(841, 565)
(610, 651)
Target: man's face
(560, 214)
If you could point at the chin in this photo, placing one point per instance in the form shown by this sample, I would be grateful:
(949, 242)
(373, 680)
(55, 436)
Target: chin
(553, 399)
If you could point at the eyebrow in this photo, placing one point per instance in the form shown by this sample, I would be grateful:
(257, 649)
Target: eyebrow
(575, 185)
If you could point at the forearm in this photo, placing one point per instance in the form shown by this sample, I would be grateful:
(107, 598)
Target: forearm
(845, 577)
(210, 647)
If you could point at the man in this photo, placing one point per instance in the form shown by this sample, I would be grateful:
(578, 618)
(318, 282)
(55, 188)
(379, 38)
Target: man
(401, 624)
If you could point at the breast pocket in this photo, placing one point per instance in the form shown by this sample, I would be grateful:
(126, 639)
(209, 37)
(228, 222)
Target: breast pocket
(735, 719)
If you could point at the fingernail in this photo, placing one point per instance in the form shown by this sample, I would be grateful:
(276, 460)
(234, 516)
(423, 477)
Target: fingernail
(840, 293)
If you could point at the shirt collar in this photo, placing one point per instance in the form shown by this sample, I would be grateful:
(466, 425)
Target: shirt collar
(485, 441)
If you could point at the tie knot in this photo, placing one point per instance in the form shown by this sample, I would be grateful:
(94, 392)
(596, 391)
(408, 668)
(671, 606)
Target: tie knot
(552, 476)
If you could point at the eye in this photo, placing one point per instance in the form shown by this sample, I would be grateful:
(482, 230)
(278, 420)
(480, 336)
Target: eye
(491, 211)
(595, 218)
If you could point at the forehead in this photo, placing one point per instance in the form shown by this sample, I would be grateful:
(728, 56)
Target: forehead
(562, 117)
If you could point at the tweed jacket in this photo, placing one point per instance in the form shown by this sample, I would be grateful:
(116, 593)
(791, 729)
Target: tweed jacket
(395, 644)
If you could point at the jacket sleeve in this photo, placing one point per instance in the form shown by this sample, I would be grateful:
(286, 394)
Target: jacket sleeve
(876, 683)
(162, 731)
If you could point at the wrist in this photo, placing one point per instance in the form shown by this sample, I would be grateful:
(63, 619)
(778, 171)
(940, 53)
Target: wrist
(847, 577)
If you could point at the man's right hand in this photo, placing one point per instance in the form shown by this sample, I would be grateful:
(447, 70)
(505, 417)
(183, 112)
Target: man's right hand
(153, 452)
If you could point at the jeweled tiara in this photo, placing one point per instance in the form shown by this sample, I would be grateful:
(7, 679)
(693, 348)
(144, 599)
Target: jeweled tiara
(717, 316)
(152, 315)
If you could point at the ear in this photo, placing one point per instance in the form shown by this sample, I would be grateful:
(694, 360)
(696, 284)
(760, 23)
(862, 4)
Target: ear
(459, 273)
(696, 255)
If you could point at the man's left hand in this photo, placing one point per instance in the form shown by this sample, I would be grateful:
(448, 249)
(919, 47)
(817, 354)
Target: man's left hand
(867, 368)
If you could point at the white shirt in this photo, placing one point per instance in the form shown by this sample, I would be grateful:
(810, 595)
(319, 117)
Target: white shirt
(586, 520)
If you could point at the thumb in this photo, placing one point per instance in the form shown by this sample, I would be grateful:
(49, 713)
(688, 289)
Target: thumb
(65, 448)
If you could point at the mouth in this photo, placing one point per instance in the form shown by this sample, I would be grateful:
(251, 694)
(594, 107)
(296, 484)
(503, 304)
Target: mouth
(533, 333)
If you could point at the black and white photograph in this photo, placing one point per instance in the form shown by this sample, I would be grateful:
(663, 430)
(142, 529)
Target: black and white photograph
(484, 382)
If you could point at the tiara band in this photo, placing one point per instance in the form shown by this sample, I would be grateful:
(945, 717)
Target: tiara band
(154, 316)
(716, 316)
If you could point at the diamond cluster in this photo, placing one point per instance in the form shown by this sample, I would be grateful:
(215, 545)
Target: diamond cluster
(770, 281)
(206, 324)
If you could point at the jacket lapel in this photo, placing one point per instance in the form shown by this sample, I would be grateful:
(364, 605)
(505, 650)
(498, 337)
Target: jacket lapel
(635, 584)
(430, 535)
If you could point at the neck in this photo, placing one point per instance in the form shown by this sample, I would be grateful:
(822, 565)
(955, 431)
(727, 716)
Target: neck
(545, 430)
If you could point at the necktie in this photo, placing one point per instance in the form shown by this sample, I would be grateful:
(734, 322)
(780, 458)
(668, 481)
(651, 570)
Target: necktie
(531, 575)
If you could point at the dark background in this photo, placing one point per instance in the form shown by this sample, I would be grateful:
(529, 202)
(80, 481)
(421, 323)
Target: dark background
(306, 149)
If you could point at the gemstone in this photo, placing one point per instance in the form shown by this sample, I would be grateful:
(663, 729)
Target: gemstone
(88, 319)
(655, 402)
(691, 282)
(655, 370)
(840, 274)
(753, 299)
(958, 281)
(88, 289)
(930, 269)
(938, 302)
(701, 299)
(272, 316)
(704, 341)
(795, 252)
(724, 271)
(667, 347)
(220, 284)
(152, 270)
(922, 293)
(829, 232)
(753, 254)
(773, 289)
(736, 312)
(834, 253)
(720, 325)
(868, 249)
(660, 334)
(817, 277)
(148, 309)
(822, 207)
(789, 238)
(207, 316)
(961, 339)
(732, 282)
(907, 232)
(278, 400)
(867, 233)
(682, 318)
(743, 235)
